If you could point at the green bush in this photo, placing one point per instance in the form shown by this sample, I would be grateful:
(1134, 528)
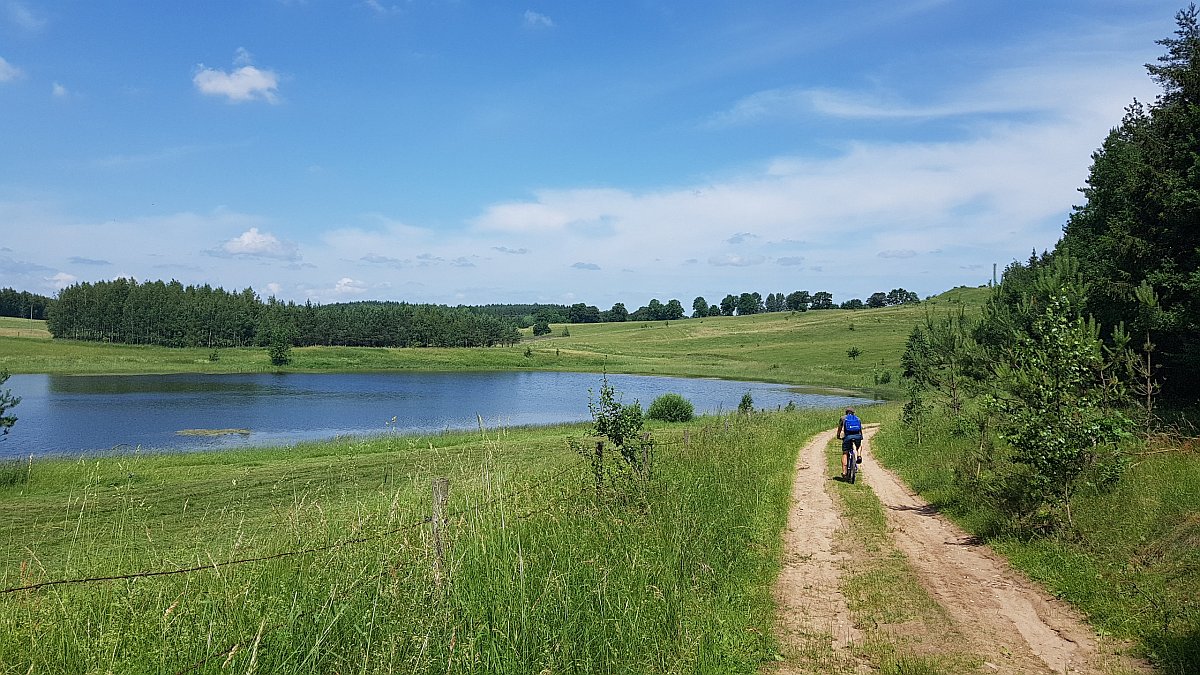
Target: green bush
(671, 408)
(280, 352)
(747, 404)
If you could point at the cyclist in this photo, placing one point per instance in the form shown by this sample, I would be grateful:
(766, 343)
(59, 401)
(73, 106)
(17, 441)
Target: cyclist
(850, 431)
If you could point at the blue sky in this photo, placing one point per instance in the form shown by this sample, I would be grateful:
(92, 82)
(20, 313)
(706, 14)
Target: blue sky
(467, 151)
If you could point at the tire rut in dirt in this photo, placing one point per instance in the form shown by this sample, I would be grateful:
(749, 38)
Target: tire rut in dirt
(1015, 624)
(813, 613)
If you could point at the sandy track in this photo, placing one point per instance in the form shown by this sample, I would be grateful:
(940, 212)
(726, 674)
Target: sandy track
(997, 613)
(811, 606)
(1011, 618)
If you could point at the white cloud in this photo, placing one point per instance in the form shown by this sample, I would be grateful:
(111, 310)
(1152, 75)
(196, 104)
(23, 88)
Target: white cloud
(536, 20)
(380, 8)
(523, 217)
(23, 17)
(734, 260)
(586, 266)
(1053, 89)
(982, 197)
(62, 280)
(59, 91)
(349, 287)
(255, 244)
(242, 57)
(246, 83)
(8, 72)
(169, 246)
(584, 210)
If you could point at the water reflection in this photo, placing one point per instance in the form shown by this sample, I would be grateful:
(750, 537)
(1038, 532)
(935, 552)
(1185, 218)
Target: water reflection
(62, 414)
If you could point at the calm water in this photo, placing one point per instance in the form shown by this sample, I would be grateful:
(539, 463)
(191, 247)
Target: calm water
(61, 414)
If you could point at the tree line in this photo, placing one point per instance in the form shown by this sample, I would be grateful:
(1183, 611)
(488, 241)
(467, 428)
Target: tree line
(796, 301)
(731, 305)
(172, 315)
(23, 304)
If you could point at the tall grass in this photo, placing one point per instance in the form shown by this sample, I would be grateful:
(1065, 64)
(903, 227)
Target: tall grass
(544, 572)
(1130, 560)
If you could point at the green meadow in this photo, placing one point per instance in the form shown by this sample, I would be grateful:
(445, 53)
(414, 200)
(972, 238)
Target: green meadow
(802, 348)
(23, 328)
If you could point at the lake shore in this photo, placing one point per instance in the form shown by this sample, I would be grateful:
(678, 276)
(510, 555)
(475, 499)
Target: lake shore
(795, 348)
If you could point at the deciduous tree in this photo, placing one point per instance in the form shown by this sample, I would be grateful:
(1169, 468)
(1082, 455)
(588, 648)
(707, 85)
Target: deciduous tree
(798, 301)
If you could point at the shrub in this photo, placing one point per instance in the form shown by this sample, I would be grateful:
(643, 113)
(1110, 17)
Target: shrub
(747, 404)
(621, 424)
(671, 408)
(280, 352)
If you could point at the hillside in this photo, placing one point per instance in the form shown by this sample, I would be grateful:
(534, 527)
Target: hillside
(807, 348)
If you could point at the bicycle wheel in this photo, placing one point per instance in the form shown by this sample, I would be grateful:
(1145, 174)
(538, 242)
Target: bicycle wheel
(852, 466)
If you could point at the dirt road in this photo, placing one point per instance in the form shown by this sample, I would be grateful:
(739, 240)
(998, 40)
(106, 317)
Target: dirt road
(1000, 619)
(812, 609)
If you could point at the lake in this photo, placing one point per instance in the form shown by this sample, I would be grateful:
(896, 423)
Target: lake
(71, 414)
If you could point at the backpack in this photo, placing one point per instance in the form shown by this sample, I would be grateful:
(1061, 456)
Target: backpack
(853, 425)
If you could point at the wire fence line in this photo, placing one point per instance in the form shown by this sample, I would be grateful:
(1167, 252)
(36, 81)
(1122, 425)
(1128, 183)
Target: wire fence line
(229, 650)
(315, 549)
(214, 565)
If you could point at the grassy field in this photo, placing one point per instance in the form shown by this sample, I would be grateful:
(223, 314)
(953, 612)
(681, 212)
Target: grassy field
(23, 328)
(795, 348)
(544, 572)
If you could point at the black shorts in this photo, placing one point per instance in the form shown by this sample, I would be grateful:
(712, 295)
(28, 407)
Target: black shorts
(852, 441)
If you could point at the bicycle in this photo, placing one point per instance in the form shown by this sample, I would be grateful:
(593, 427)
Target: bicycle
(852, 462)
